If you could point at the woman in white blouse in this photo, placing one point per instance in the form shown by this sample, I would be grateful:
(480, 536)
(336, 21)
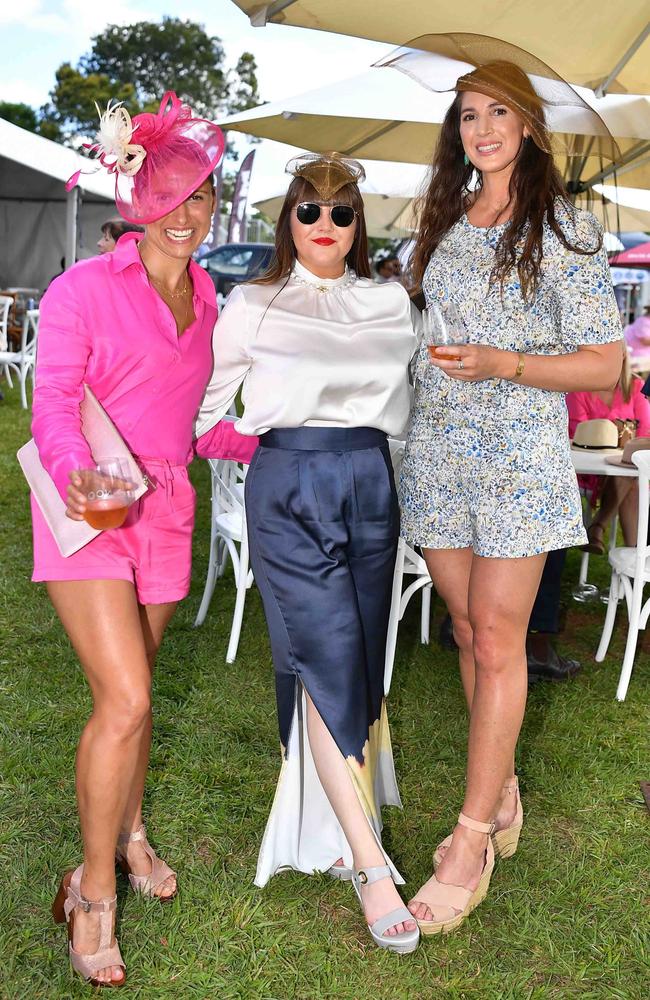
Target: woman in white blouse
(322, 352)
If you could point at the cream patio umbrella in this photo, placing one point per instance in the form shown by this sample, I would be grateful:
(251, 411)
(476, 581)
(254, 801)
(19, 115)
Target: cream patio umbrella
(391, 216)
(385, 115)
(590, 42)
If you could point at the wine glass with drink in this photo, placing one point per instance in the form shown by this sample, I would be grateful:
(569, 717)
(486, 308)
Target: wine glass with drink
(109, 493)
(444, 327)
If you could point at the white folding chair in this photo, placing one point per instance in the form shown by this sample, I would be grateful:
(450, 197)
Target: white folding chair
(23, 361)
(630, 572)
(228, 537)
(407, 562)
(6, 302)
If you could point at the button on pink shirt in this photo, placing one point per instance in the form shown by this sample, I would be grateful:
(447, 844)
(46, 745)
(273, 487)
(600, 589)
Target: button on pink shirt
(103, 324)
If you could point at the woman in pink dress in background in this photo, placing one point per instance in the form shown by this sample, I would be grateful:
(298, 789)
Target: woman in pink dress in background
(135, 325)
(614, 494)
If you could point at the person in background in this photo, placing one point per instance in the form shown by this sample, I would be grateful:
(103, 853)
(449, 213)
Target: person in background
(112, 229)
(388, 267)
(637, 335)
(613, 494)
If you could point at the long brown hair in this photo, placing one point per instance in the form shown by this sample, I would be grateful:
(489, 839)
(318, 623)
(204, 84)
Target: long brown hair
(535, 186)
(285, 252)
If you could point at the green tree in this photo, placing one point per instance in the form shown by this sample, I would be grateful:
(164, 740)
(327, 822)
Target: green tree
(19, 114)
(137, 63)
(72, 111)
(243, 85)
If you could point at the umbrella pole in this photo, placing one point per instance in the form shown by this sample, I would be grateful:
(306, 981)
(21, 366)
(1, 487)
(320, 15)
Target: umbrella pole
(71, 210)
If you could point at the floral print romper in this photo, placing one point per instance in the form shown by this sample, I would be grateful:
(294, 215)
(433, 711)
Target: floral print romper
(487, 464)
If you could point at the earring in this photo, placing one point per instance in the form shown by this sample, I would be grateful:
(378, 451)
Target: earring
(466, 160)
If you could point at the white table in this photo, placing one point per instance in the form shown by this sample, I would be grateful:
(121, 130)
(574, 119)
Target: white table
(589, 462)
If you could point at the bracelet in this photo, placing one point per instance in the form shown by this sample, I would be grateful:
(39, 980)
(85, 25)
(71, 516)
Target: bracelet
(520, 367)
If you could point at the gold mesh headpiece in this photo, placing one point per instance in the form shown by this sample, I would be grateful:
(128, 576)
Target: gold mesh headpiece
(327, 172)
(553, 111)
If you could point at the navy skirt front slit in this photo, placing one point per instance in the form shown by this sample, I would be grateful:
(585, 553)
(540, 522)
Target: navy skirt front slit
(323, 524)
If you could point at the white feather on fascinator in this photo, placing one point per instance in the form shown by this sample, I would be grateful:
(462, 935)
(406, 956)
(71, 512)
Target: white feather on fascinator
(112, 144)
(113, 139)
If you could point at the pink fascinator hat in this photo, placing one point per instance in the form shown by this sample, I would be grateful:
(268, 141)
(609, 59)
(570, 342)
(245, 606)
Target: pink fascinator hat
(158, 159)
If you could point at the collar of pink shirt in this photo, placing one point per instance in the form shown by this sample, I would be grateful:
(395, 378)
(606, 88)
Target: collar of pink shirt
(126, 255)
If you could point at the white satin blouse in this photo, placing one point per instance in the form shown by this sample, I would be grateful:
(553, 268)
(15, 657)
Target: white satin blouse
(313, 352)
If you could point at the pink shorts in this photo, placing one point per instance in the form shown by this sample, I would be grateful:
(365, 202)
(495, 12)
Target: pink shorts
(152, 549)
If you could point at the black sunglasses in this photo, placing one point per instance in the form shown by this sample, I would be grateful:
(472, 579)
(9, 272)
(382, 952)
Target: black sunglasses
(308, 212)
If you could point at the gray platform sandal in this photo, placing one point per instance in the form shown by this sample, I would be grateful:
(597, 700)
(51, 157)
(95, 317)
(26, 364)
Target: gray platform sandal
(403, 943)
(340, 872)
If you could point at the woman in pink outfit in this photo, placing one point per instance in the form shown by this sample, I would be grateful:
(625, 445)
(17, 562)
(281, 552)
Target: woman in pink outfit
(136, 326)
(615, 494)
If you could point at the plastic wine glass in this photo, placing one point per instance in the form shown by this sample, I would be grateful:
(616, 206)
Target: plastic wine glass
(109, 493)
(585, 593)
(444, 327)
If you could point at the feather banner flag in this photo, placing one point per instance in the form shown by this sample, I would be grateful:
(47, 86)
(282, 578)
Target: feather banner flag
(237, 224)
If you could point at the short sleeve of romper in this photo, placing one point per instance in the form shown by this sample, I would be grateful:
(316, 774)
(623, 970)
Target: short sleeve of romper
(487, 464)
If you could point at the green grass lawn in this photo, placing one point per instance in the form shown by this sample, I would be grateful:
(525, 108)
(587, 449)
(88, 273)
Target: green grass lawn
(567, 917)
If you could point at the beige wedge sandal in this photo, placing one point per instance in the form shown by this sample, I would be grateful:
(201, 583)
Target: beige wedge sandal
(160, 871)
(504, 841)
(452, 903)
(68, 898)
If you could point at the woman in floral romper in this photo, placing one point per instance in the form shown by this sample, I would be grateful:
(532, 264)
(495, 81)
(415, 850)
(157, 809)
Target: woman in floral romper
(487, 486)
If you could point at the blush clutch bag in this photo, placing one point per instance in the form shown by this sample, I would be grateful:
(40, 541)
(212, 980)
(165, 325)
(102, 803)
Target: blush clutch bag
(105, 442)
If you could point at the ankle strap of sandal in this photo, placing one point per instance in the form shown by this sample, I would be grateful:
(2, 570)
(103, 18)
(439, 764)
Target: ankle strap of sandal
(74, 898)
(475, 825)
(128, 838)
(511, 784)
(366, 876)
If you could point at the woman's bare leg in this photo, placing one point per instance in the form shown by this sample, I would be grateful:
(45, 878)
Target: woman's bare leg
(501, 596)
(103, 622)
(628, 510)
(154, 619)
(380, 897)
(450, 571)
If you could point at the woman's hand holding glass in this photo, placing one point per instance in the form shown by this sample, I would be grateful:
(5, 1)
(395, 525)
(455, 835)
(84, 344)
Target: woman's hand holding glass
(101, 495)
(447, 340)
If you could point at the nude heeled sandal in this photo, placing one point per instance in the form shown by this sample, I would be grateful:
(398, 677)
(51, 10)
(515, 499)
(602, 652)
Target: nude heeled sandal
(160, 871)
(403, 943)
(504, 841)
(453, 903)
(108, 952)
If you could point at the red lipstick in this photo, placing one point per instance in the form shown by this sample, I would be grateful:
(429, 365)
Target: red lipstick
(324, 241)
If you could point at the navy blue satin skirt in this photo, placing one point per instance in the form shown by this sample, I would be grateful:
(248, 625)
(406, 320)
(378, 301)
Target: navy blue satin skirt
(323, 524)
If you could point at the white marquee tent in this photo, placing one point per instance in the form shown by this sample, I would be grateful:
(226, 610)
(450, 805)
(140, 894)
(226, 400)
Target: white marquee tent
(39, 222)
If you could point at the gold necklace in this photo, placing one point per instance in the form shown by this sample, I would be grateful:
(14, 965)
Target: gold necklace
(166, 291)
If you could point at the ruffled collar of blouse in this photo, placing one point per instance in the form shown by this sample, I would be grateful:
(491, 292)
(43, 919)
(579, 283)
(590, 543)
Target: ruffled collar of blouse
(305, 277)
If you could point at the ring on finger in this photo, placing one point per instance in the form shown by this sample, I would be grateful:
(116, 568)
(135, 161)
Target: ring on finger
(461, 364)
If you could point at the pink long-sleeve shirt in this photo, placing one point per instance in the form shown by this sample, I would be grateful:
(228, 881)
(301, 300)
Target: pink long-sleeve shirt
(103, 324)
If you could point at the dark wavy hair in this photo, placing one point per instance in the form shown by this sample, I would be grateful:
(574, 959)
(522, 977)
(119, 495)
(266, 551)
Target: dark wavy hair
(535, 187)
(285, 252)
(117, 227)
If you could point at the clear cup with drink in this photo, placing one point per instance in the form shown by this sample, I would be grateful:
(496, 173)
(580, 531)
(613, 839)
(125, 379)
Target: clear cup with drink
(109, 493)
(444, 327)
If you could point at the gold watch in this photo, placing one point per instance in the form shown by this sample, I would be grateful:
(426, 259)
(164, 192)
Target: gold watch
(520, 367)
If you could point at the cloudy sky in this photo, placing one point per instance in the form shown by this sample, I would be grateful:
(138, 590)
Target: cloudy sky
(38, 35)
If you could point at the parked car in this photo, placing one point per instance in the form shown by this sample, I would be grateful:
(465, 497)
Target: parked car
(234, 263)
